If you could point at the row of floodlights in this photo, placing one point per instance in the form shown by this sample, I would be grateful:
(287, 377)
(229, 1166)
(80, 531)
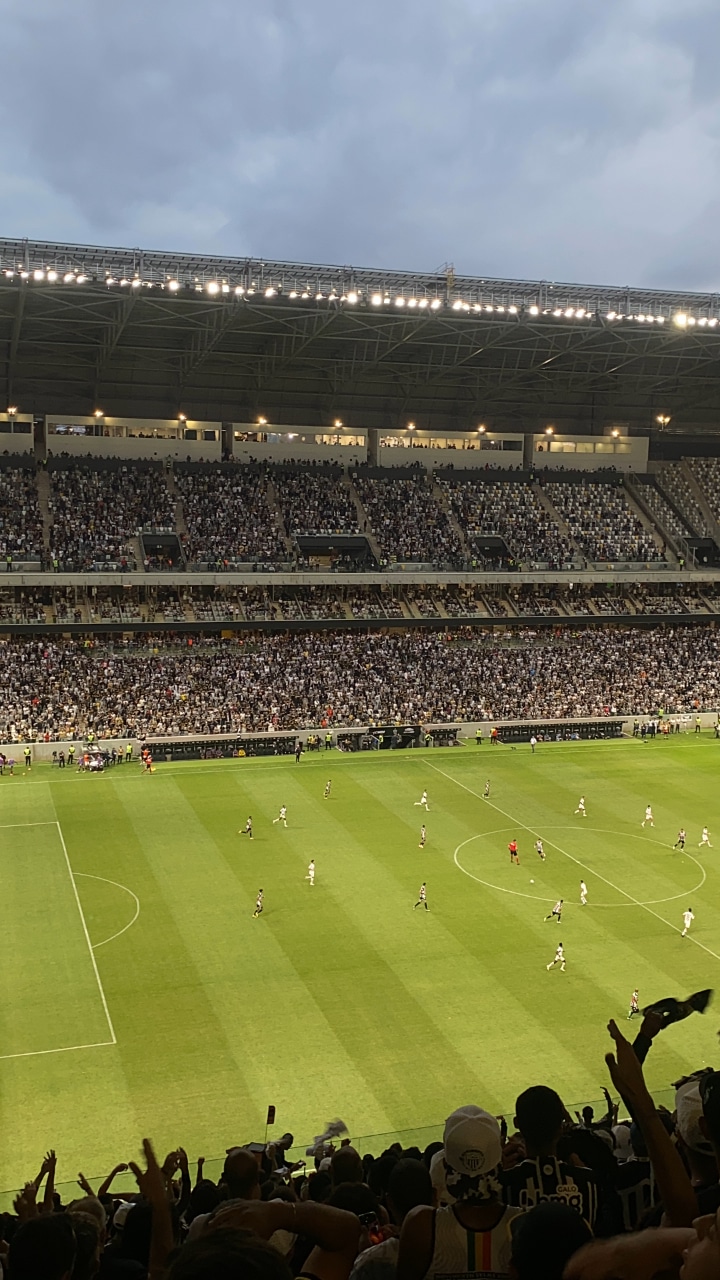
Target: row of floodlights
(214, 287)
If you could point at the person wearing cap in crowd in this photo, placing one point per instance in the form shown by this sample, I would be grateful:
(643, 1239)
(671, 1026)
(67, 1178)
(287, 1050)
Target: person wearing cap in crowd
(471, 1235)
(696, 1120)
(540, 1116)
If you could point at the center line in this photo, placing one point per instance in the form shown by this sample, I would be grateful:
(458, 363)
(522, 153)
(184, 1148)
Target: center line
(551, 843)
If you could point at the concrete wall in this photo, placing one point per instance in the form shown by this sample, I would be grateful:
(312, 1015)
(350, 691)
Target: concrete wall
(628, 453)
(466, 731)
(134, 447)
(459, 459)
(294, 450)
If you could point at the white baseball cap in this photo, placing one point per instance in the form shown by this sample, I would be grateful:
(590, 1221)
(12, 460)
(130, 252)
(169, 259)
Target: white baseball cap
(472, 1141)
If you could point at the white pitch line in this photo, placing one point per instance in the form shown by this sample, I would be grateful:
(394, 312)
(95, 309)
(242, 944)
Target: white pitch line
(534, 897)
(8, 826)
(87, 936)
(67, 1048)
(88, 876)
(534, 832)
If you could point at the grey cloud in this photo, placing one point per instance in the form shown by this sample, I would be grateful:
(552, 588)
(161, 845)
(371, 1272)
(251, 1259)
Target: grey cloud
(551, 139)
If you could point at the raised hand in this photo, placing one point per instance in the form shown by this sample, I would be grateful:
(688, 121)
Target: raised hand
(151, 1181)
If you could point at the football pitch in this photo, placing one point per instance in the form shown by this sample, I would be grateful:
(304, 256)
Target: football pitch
(141, 997)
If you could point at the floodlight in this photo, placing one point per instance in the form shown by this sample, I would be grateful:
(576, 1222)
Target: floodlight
(12, 410)
(436, 302)
(549, 431)
(338, 422)
(352, 298)
(611, 315)
(615, 433)
(270, 293)
(213, 286)
(182, 417)
(136, 283)
(412, 302)
(226, 288)
(512, 311)
(569, 313)
(68, 278)
(98, 413)
(712, 322)
(81, 279)
(680, 319)
(173, 286)
(319, 297)
(262, 422)
(399, 302)
(534, 311)
(38, 275)
(423, 302)
(411, 426)
(376, 299)
(580, 313)
(239, 291)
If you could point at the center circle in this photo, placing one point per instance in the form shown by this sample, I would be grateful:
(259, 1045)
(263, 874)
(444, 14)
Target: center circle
(535, 897)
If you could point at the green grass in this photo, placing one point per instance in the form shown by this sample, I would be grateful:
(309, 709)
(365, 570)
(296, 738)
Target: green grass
(340, 999)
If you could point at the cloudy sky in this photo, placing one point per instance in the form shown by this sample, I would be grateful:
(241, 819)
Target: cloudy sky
(554, 139)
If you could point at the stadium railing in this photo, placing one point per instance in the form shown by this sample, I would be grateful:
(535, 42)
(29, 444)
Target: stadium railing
(368, 1143)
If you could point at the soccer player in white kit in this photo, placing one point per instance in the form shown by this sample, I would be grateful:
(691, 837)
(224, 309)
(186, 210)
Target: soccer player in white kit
(688, 918)
(423, 837)
(282, 816)
(328, 785)
(581, 807)
(539, 849)
(559, 959)
(311, 871)
(648, 816)
(583, 894)
(423, 802)
(422, 897)
(705, 839)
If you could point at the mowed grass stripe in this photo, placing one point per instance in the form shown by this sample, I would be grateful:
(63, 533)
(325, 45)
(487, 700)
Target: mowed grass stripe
(353, 982)
(273, 1021)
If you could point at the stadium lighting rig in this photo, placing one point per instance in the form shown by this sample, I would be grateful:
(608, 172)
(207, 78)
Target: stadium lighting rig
(252, 282)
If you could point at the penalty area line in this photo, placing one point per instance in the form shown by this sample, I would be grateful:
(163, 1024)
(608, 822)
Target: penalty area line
(591, 871)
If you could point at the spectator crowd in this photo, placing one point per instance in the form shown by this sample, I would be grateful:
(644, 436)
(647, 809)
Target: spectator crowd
(602, 523)
(315, 502)
(95, 512)
(156, 685)
(407, 520)
(228, 518)
(513, 512)
(546, 1196)
(21, 525)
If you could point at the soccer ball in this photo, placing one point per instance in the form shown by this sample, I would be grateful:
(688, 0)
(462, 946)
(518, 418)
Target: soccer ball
(532, 881)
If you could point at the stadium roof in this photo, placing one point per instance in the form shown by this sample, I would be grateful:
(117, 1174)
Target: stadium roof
(152, 334)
